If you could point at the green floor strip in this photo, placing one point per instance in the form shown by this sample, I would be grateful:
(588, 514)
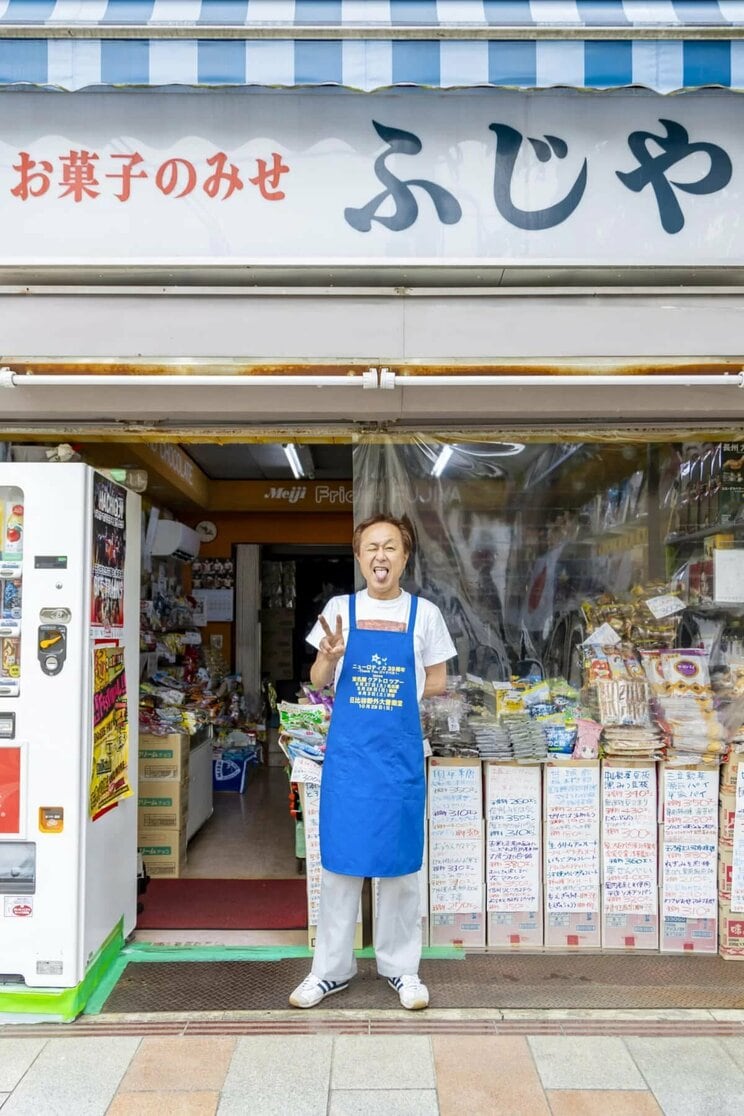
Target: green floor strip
(144, 952)
(67, 1003)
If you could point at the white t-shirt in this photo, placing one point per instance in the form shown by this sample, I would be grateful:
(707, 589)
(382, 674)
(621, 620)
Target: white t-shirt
(431, 640)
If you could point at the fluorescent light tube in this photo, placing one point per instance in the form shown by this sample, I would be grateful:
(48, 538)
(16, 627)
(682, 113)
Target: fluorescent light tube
(294, 461)
(441, 462)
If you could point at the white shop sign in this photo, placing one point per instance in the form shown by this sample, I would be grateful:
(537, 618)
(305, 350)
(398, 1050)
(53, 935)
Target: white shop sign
(499, 177)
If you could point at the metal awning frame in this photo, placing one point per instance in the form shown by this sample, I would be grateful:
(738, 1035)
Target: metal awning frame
(338, 32)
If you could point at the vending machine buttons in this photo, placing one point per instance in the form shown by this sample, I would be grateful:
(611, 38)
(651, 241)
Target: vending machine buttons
(51, 819)
(52, 647)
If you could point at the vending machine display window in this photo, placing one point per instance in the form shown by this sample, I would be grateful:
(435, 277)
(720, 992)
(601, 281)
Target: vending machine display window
(11, 589)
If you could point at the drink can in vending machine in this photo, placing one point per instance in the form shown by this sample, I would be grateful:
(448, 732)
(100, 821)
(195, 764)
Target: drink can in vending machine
(10, 599)
(10, 657)
(13, 534)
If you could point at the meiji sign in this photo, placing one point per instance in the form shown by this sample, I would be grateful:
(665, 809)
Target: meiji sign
(499, 177)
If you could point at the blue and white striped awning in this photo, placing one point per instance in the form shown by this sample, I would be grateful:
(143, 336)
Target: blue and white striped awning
(664, 45)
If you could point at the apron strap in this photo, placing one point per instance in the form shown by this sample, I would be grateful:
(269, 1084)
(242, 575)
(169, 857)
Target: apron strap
(352, 611)
(412, 613)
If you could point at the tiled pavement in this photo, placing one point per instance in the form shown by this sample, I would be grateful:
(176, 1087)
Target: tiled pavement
(320, 1074)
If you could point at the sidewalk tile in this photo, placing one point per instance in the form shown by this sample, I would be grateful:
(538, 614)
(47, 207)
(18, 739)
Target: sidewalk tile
(576, 1062)
(382, 1062)
(72, 1075)
(393, 1102)
(482, 1073)
(16, 1055)
(690, 1076)
(601, 1102)
(734, 1047)
(277, 1074)
(179, 1062)
(172, 1103)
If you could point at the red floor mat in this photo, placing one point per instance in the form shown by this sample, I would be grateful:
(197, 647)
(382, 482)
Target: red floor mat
(224, 905)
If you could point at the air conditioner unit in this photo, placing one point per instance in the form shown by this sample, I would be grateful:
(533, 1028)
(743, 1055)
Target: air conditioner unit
(175, 540)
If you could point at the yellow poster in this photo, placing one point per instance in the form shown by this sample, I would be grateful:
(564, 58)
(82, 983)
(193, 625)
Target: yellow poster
(109, 777)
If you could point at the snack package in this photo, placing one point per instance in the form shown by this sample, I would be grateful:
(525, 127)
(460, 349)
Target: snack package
(686, 668)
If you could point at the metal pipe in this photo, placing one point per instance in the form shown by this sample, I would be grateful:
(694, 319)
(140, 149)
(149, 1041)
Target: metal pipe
(11, 379)
(735, 379)
(385, 32)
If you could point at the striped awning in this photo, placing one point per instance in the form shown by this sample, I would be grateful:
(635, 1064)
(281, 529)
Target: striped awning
(664, 45)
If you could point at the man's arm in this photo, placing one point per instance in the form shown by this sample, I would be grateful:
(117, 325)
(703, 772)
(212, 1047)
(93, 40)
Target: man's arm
(323, 670)
(436, 680)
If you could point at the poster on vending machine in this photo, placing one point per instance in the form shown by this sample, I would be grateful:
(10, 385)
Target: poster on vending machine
(109, 775)
(109, 549)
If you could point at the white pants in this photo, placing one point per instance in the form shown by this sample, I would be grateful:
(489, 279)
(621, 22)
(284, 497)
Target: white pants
(397, 928)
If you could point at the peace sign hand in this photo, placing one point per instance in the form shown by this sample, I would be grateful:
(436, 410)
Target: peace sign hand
(332, 644)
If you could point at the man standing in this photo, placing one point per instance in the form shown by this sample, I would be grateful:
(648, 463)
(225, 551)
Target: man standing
(385, 650)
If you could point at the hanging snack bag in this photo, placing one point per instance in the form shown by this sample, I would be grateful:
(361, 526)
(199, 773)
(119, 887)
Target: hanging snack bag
(653, 669)
(686, 668)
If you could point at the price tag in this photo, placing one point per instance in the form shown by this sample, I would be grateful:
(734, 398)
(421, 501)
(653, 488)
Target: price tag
(666, 605)
(603, 636)
(453, 723)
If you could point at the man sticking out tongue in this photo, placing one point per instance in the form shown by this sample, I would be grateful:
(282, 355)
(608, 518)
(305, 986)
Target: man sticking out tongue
(384, 650)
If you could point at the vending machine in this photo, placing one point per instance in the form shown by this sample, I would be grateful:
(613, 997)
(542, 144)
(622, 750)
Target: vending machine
(69, 657)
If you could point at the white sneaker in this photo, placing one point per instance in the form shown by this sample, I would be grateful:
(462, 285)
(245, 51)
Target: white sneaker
(312, 991)
(414, 995)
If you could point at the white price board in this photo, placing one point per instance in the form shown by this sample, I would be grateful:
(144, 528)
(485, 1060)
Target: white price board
(690, 850)
(455, 793)
(456, 871)
(629, 840)
(513, 838)
(737, 872)
(311, 818)
(690, 803)
(690, 878)
(571, 838)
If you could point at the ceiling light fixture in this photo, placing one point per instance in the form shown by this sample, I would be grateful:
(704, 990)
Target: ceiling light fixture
(294, 461)
(441, 462)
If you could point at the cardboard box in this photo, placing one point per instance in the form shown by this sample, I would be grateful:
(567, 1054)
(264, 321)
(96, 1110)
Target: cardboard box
(730, 931)
(312, 933)
(162, 804)
(726, 818)
(515, 930)
(630, 932)
(164, 757)
(163, 852)
(574, 930)
(725, 871)
(730, 772)
(689, 935)
(466, 931)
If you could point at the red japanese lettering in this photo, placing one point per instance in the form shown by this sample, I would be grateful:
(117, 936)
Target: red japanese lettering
(78, 175)
(268, 177)
(168, 175)
(126, 174)
(33, 183)
(229, 177)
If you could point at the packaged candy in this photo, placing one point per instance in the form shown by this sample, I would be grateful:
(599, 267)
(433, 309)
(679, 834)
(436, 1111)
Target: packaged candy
(686, 668)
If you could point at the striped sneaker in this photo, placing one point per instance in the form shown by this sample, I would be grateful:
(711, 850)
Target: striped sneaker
(312, 991)
(414, 995)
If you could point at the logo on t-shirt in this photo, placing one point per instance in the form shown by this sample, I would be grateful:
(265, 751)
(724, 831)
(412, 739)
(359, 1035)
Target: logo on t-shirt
(382, 625)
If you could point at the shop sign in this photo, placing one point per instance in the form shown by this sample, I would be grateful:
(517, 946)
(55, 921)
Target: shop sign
(270, 496)
(500, 177)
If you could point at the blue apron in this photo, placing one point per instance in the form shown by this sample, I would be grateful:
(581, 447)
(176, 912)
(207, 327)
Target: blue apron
(373, 787)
